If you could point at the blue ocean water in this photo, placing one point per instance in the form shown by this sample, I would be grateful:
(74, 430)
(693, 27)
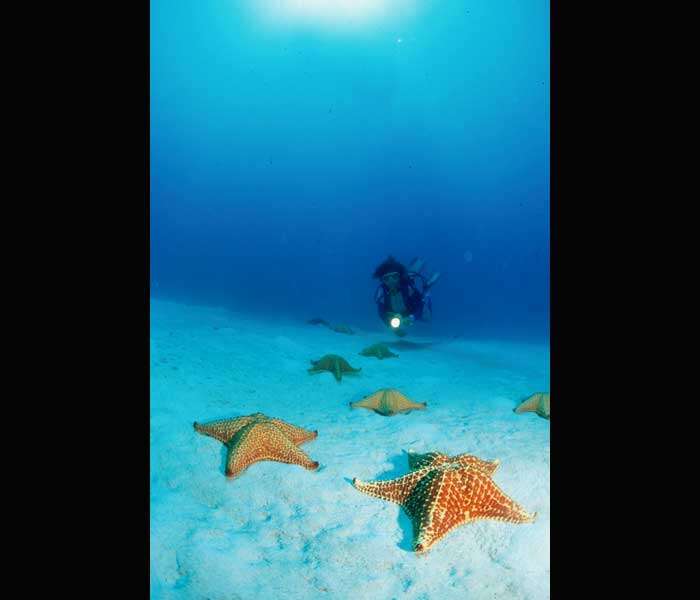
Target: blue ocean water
(295, 144)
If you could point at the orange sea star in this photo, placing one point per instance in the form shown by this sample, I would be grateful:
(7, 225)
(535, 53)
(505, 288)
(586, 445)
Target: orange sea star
(256, 437)
(388, 402)
(333, 363)
(538, 403)
(444, 494)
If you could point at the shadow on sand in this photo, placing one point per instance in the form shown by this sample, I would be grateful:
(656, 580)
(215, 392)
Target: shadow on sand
(403, 344)
(408, 345)
(224, 455)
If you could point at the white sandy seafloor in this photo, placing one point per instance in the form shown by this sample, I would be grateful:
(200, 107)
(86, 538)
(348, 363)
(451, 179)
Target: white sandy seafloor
(281, 532)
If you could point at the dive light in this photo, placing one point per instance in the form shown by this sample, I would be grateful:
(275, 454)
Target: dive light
(395, 322)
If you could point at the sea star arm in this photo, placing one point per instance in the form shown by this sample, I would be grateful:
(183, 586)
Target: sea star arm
(224, 429)
(420, 461)
(394, 490)
(371, 402)
(406, 405)
(297, 435)
(485, 500)
(486, 466)
(537, 403)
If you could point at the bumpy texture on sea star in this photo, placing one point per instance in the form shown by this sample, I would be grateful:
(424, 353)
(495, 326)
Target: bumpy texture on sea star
(419, 461)
(388, 402)
(333, 363)
(224, 429)
(445, 493)
(256, 437)
(538, 403)
(379, 350)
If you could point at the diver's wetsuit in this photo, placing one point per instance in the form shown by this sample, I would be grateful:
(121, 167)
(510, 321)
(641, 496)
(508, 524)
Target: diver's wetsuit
(411, 301)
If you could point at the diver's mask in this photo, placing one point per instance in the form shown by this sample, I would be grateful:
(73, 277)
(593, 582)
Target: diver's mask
(391, 279)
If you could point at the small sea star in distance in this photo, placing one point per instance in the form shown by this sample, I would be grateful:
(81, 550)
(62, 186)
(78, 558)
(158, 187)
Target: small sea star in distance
(537, 403)
(388, 402)
(334, 364)
(257, 437)
(381, 351)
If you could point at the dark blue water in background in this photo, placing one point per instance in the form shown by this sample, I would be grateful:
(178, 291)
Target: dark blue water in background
(288, 160)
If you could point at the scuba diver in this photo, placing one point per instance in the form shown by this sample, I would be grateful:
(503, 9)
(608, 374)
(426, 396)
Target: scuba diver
(399, 301)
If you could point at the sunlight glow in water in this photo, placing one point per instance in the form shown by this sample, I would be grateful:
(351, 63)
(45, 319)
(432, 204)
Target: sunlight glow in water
(332, 13)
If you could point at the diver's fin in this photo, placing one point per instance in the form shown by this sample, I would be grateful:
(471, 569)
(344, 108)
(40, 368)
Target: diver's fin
(416, 265)
(433, 279)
